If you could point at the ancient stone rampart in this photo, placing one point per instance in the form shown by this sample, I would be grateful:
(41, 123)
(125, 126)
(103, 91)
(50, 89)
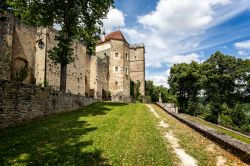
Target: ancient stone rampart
(22, 102)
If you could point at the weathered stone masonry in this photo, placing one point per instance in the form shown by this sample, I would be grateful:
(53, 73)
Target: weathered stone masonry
(106, 74)
(22, 102)
(5, 47)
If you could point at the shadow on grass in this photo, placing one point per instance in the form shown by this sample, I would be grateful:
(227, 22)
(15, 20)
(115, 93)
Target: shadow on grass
(54, 140)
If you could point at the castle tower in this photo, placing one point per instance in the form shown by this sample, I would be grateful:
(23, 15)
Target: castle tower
(117, 48)
(137, 65)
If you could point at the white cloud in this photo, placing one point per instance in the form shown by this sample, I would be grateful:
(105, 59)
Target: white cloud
(243, 45)
(242, 53)
(175, 28)
(159, 78)
(175, 59)
(115, 19)
(188, 17)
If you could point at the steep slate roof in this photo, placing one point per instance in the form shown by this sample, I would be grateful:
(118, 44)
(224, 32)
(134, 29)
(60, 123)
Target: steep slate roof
(117, 35)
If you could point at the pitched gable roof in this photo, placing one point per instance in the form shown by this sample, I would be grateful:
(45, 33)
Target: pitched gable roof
(117, 35)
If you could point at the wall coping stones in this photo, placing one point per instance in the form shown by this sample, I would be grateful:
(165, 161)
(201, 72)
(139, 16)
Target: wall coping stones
(238, 148)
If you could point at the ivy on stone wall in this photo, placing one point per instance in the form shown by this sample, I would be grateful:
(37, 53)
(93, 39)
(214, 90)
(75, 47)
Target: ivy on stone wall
(5, 64)
(22, 74)
(135, 90)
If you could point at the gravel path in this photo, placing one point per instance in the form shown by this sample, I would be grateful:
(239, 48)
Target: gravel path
(186, 159)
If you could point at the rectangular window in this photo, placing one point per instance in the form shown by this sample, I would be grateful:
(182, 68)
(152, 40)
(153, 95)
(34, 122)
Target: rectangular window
(126, 56)
(116, 68)
(126, 71)
(116, 85)
(116, 54)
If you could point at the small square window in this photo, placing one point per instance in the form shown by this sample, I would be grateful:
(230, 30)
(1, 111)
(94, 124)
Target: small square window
(116, 85)
(116, 68)
(116, 54)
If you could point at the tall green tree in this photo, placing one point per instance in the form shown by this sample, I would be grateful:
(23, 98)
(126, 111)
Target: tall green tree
(77, 18)
(219, 83)
(242, 81)
(185, 83)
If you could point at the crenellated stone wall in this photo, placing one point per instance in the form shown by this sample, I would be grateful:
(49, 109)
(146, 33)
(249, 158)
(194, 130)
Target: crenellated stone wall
(22, 102)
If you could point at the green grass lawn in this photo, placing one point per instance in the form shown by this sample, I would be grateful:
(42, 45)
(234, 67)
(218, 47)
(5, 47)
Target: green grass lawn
(220, 130)
(100, 134)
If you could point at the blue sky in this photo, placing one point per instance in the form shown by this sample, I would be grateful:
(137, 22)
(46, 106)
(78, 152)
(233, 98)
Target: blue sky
(177, 31)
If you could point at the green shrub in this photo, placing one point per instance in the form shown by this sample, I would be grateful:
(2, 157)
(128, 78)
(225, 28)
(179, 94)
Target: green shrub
(209, 115)
(148, 99)
(240, 114)
(195, 108)
(22, 74)
(226, 120)
(225, 109)
(245, 128)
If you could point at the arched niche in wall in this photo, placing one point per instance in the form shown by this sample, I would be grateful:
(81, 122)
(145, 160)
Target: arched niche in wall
(20, 70)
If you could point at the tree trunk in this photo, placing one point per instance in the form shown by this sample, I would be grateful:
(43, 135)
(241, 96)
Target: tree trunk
(63, 77)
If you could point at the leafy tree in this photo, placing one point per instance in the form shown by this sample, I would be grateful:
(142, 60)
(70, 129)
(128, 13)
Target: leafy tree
(185, 83)
(242, 81)
(77, 18)
(240, 114)
(153, 92)
(149, 88)
(219, 82)
(219, 88)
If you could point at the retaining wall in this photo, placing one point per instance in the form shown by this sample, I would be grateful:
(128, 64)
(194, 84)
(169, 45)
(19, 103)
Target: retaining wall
(240, 149)
(23, 102)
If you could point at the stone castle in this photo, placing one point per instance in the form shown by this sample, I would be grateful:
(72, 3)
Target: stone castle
(23, 51)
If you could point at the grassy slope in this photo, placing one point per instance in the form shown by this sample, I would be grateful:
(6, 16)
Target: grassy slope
(194, 143)
(100, 134)
(232, 134)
